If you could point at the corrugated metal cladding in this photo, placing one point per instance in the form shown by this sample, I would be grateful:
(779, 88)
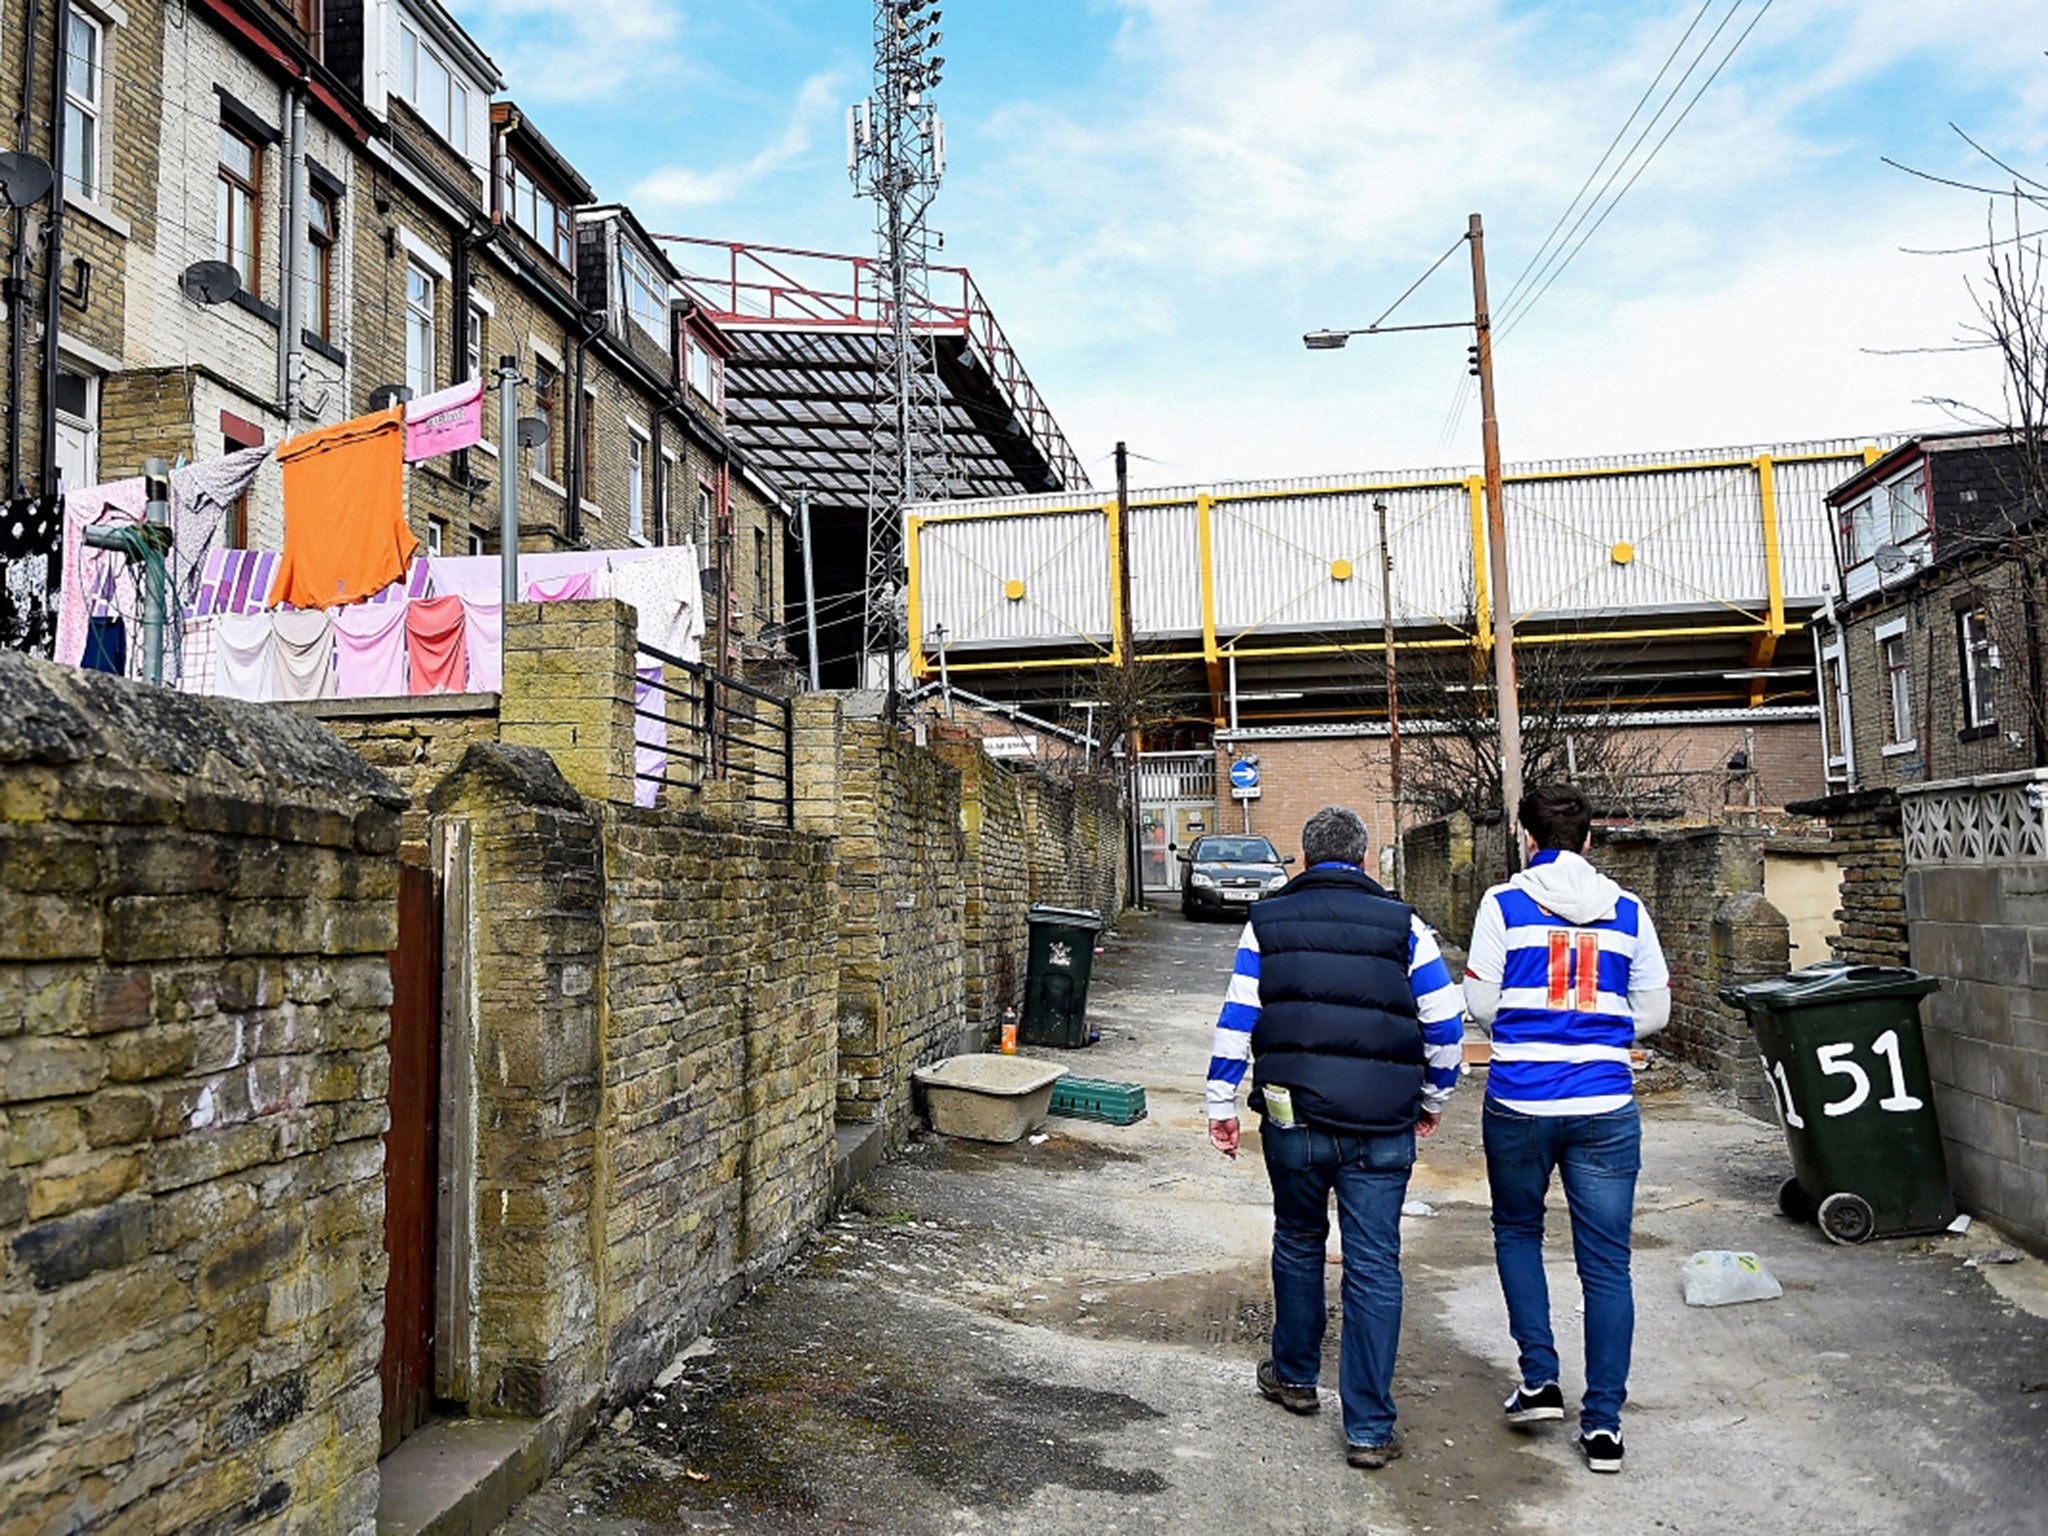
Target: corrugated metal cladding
(1166, 570)
(1060, 562)
(1278, 560)
(1692, 521)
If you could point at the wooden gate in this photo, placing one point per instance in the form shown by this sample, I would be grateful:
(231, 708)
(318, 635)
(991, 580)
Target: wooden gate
(409, 1156)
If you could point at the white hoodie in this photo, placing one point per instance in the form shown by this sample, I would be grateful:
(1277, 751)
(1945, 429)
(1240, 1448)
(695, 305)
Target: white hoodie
(1578, 893)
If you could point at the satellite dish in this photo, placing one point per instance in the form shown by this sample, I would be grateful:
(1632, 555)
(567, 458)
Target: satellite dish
(210, 282)
(385, 396)
(24, 179)
(1890, 559)
(533, 431)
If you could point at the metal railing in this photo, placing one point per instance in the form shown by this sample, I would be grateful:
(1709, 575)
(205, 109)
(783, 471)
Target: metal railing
(783, 286)
(692, 725)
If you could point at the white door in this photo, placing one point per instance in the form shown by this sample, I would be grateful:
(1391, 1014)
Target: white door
(78, 433)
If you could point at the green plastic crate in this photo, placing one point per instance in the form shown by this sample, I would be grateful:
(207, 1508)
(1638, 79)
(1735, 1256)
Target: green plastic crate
(1087, 1098)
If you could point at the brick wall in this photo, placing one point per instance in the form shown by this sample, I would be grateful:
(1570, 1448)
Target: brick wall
(902, 997)
(1984, 931)
(568, 690)
(720, 1002)
(196, 897)
(1863, 830)
(1301, 775)
(1704, 889)
(1943, 747)
(414, 742)
(1029, 836)
(530, 1018)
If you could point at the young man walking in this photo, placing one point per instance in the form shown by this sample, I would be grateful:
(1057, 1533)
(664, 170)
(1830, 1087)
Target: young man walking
(1341, 1004)
(1565, 966)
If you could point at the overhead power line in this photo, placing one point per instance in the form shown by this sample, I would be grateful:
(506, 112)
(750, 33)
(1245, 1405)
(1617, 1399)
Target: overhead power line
(1521, 277)
(1645, 162)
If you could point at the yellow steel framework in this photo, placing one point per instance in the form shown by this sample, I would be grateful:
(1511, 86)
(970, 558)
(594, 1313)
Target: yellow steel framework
(1766, 628)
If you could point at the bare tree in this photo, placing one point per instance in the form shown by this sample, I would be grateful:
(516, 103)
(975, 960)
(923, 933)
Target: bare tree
(1573, 729)
(2009, 539)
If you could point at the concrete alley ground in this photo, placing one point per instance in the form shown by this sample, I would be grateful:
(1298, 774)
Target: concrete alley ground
(1059, 1338)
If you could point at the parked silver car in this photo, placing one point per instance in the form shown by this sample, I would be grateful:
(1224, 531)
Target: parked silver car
(1228, 873)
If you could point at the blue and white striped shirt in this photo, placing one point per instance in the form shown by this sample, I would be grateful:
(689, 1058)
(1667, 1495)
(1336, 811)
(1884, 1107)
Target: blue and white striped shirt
(1437, 1001)
(1565, 1024)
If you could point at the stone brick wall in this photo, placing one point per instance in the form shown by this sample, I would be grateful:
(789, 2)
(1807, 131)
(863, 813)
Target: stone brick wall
(414, 742)
(1704, 889)
(1984, 930)
(720, 1001)
(1029, 836)
(196, 897)
(993, 930)
(530, 1019)
(1863, 829)
(569, 691)
(655, 1011)
(902, 993)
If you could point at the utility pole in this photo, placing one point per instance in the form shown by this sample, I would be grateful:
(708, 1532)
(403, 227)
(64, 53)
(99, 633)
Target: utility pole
(1379, 507)
(508, 477)
(1507, 700)
(803, 517)
(945, 675)
(1133, 740)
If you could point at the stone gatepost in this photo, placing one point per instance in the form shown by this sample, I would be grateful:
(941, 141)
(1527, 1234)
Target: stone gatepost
(569, 679)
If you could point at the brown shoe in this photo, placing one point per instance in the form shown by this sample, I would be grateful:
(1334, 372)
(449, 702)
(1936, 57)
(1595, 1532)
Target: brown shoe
(1372, 1457)
(1294, 1399)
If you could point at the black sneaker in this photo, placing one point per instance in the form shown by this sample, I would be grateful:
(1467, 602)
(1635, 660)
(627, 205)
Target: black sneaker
(1294, 1399)
(1603, 1450)
(1535, 1405)
(1371, 1458)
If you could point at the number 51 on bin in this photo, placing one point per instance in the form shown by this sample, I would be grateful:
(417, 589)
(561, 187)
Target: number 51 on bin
(1839, 1061)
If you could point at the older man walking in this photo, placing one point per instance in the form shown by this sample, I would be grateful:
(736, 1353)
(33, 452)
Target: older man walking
(1342, 1006)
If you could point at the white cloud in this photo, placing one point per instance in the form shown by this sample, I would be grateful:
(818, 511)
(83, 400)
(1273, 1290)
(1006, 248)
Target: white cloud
(1247, 169)
(583, 50)
(684, 187)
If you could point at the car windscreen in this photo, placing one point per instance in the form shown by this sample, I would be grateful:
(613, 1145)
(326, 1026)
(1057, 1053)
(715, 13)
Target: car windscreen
(1235, 850)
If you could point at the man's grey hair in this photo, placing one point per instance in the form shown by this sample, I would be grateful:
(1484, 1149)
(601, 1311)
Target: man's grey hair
(1334, 835)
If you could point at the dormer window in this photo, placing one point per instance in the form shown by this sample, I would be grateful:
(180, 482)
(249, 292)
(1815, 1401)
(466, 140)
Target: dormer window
(703, 370)
(646, 294)
(537, 212)
(426, 81)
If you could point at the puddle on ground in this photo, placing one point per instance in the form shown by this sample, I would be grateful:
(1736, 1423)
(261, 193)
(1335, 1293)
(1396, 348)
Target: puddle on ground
(1211, 1308)
(817, 1438)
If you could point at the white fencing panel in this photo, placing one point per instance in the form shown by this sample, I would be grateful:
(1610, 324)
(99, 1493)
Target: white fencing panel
(1061, 562)
(1166, 570)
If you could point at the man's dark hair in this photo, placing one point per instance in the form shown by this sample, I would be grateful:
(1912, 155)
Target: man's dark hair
(1334, 835)
(1557, 816)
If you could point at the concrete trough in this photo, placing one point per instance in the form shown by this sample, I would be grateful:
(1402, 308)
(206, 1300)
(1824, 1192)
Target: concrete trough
(988, 1097)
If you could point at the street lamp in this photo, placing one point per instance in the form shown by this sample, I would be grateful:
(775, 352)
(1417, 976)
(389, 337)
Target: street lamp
(1506, 695)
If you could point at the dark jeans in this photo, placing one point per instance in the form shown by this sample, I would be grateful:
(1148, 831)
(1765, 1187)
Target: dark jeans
(1370, 1177)
(1598, 1157)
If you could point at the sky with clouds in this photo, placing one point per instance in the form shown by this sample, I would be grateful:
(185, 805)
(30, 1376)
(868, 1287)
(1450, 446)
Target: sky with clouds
(1159, 196)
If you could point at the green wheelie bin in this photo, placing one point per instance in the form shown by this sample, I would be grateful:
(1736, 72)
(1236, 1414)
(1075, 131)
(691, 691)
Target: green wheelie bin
(1056, 976)
(1842, 1052)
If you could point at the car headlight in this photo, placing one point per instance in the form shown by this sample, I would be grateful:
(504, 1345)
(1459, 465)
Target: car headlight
(1202, 879)
(1276, 882)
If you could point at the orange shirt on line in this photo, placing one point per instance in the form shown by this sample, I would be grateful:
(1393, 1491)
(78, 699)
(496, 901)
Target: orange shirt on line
(344, 512)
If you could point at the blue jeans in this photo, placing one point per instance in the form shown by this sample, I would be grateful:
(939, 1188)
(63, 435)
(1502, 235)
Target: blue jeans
(1370, 1176)
(1598, 1157)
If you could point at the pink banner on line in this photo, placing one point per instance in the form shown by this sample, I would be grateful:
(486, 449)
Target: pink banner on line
(444, 422)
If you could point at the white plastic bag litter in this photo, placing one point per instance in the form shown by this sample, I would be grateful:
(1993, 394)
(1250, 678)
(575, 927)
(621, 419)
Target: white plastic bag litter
(1717, 1277)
